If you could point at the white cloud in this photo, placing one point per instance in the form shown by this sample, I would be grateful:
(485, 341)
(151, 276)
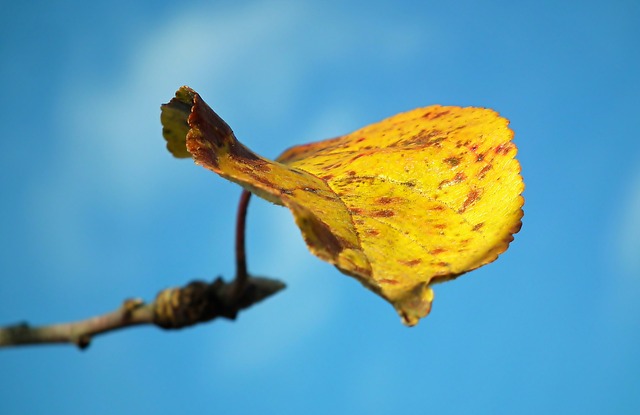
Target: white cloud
(112, 130)
(115, 128)
(255, 57)
(628, 231)
(622, 248)
(109, 134)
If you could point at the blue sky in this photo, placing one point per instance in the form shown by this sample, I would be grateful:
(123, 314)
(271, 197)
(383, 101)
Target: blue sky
(94, 210)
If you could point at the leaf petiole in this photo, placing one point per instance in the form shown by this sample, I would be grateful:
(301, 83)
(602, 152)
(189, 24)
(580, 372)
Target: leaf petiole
(241, 258)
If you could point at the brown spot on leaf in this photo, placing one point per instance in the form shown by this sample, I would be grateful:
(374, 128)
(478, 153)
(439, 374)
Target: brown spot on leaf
(330, 167)
(452, 161)
(478, 226)
(484, 171)
(372, 232)
(503, 148)
(466, 142)
(385, 200)
(243, 154)
(435, 114)
(388, 281)
(383, 213)
(424, 138)
(437, 251)
(440, 226)
(460, 176)
(411, 262)
(321, 234)
(260, 179)
(247, 170)
(435, 142)
(472, 197)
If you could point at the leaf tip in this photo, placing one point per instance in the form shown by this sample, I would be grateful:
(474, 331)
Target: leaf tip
(414, 305)
(174, 117)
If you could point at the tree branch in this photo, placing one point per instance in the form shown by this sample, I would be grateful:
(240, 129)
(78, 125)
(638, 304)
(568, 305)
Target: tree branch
(173, 308)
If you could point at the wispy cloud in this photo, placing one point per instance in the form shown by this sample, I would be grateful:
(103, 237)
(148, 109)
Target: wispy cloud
(253, 57)
(628, 231)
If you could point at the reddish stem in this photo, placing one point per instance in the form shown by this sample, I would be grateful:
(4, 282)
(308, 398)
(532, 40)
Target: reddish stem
(241, 258)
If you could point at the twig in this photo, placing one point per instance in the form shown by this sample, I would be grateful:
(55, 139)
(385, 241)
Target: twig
(173, 308)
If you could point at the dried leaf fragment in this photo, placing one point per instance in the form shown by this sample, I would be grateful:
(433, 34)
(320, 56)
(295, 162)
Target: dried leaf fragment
(419, 198)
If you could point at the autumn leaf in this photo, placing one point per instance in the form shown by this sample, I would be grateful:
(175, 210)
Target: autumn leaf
(419, 198)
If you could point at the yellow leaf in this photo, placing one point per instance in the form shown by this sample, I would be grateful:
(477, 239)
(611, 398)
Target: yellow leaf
(419, 198)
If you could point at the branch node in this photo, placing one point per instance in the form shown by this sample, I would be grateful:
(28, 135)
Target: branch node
(129, 306)
(83, 341)
(180, 307)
